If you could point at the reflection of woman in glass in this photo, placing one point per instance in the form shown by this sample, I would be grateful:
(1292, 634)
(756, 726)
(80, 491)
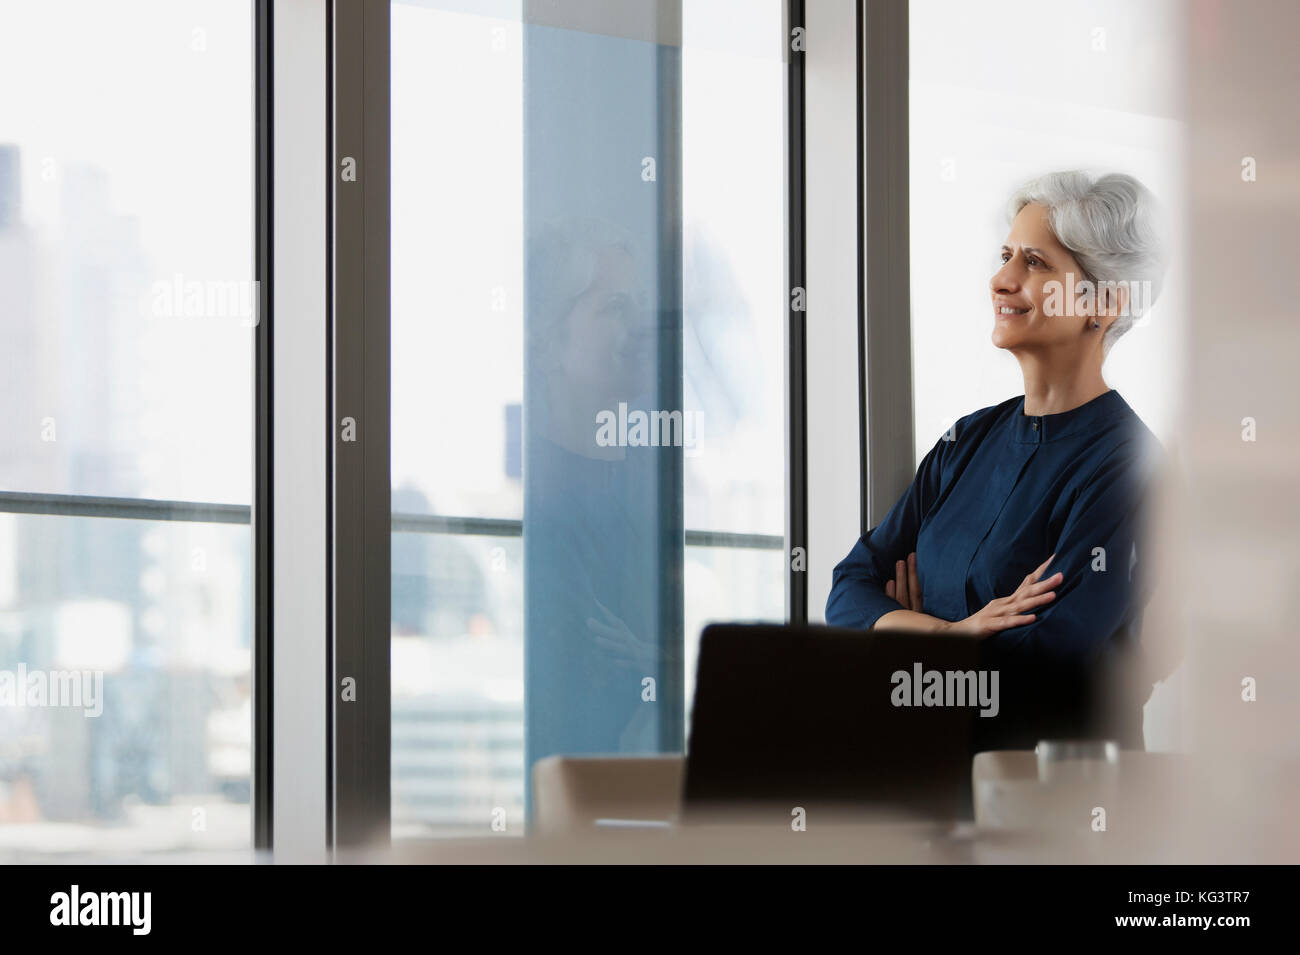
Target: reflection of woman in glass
(591, 509)
(1022, 525)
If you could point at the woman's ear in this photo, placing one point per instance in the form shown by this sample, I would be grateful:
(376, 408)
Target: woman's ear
(1085, 299)
(1113, 299)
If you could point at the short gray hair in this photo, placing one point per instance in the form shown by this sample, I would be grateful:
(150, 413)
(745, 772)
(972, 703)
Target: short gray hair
(1113, 227)
(561, 265)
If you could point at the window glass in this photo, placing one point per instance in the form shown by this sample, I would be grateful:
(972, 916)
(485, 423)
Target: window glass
(126, 312)
(588, 262)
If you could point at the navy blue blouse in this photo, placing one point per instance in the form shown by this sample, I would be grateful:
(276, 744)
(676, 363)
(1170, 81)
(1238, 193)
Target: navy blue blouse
(996, 496)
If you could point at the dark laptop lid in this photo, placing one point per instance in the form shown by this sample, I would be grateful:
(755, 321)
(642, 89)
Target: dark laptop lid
(788, 716)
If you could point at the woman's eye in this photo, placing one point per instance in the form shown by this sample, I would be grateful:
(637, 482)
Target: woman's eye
(1032, 261)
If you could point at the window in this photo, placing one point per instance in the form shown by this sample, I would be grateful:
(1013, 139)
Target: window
(127, 305)
(587, 345)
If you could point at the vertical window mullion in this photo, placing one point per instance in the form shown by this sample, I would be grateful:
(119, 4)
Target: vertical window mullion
(360, 486)
(298, 421)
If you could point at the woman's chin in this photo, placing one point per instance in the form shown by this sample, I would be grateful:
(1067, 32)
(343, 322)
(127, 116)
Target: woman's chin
(1001, 338)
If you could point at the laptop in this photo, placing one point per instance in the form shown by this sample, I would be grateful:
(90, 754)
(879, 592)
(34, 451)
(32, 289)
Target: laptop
(866, 724)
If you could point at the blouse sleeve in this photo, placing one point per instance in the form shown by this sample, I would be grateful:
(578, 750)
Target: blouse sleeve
(857, 597)
(1102, 589)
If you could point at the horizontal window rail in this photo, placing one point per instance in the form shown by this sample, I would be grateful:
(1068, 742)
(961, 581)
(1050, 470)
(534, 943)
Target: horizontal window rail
(149, 509)
(130, 508)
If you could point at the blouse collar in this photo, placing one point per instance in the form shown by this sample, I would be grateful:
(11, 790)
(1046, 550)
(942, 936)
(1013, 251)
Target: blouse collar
(1088, 417)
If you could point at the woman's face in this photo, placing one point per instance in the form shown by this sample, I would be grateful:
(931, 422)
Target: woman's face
(607, 346)
(1027, 313)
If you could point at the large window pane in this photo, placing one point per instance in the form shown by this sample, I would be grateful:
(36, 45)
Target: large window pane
(602, 241)
(127, 305)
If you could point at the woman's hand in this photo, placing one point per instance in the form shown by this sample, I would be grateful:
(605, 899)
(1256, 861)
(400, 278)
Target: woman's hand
(1004, 613)
(905, 587)
(621, 646)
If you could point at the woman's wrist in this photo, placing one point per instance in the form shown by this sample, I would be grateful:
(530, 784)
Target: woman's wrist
(908, 620)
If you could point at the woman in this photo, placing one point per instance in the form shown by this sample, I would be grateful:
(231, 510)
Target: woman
(1021, 528)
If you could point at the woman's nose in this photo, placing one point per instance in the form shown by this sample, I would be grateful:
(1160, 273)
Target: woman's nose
(1004, 280)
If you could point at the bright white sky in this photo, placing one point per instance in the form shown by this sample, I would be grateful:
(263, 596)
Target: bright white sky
(157, 95)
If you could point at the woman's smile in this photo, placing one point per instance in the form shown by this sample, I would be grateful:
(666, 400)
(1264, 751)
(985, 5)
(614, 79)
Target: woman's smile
(1004, 311)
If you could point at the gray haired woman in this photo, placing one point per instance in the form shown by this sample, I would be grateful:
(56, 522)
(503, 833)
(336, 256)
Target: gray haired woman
(1022, 526)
